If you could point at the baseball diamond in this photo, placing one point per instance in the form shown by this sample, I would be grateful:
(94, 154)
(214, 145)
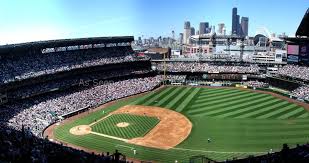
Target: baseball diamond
(238, 121)
(137, 126)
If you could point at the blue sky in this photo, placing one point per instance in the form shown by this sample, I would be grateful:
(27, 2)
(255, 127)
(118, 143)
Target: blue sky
(30, 20)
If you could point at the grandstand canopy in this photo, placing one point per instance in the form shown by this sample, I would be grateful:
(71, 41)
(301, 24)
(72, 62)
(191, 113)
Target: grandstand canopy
(303, 29)
(63, 42)
(296, 40)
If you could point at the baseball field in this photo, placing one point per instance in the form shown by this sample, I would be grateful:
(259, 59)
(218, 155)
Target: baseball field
(177, 122)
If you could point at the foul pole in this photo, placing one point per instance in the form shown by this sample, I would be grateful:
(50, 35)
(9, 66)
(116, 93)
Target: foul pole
(164, 69)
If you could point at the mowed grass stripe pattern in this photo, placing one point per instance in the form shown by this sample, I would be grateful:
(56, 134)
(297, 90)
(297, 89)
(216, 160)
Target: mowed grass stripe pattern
(239, 122)
(138, 125)
(224, 103)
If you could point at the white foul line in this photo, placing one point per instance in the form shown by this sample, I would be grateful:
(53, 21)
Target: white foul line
(93, 123)
(119, 145)
(108, 136)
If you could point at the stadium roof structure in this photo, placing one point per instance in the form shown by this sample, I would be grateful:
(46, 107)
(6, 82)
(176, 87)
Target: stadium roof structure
(63, 42)
(296, 40)
(303, 28)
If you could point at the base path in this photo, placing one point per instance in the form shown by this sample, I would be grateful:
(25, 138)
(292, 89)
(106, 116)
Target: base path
(172, 129)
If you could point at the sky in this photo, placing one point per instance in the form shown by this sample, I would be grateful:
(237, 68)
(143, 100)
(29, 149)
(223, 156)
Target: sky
(34, 20)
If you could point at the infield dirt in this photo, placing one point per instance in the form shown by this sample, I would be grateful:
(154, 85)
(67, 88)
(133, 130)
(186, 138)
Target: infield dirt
(172, 129)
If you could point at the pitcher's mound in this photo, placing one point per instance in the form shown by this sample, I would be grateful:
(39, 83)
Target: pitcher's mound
(122, 124)
(172, 129)
(80, 130)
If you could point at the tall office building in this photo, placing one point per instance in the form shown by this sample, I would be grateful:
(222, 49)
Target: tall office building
(180, 38)
(203, 26)
(187, 32)
(234, 21)
(238, 25)
(240, 29)
(244, 25)
(160, 39)
(208, 30)
(220, 28)
(151, 39)
(192, 31)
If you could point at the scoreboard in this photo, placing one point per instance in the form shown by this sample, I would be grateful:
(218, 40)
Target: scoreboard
(298, 53)
(293, 53)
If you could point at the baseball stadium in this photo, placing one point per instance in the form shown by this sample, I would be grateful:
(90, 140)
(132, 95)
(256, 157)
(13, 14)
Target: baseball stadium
(178, 122)
(106, 99)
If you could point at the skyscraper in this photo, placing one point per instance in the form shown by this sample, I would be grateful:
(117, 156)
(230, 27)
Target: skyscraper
(192, 31)
(244, 25)
(220, 28)
(187, 32)
(234, 21)
(238, 29)
(180, 38)
(203, 26)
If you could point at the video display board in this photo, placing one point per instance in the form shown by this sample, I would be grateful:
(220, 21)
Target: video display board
(293, 49)
(292, 53)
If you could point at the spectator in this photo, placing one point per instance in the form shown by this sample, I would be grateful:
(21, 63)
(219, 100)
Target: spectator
(294, 71)
(39, 112)
(301, 92)
(207, 67)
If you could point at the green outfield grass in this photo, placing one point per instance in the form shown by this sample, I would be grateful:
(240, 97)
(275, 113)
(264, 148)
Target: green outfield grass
(138, 125)
(239, 123)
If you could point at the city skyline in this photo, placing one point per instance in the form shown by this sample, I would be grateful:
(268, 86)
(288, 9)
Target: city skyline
(34, 20)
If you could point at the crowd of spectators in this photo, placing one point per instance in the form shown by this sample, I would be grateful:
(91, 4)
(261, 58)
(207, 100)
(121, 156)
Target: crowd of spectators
(301, 92)
(20, 146)
(32, 65)
(207, 67)
(37, 113)
(295, 71)
(256, 84)
(70, 81)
